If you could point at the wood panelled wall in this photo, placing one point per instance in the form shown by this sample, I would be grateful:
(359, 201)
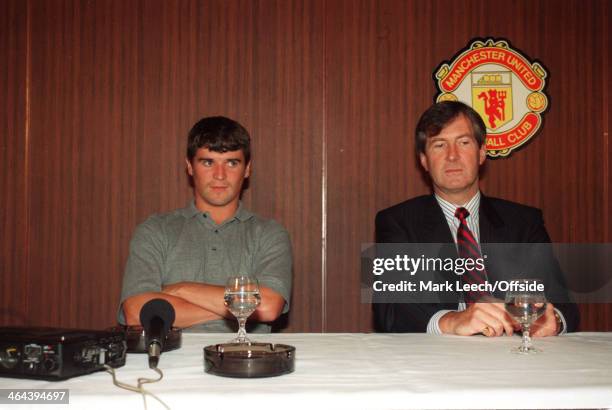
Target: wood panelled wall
(99, 96)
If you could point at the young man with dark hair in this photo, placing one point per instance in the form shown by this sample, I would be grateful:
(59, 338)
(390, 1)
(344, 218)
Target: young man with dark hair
(185, 256)
(450, 145)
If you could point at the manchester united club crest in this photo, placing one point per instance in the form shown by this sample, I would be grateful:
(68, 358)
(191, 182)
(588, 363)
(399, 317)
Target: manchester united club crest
(503, 86)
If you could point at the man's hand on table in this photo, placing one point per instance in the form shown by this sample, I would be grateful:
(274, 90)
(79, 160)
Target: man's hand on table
(490, 319)
(547, 324)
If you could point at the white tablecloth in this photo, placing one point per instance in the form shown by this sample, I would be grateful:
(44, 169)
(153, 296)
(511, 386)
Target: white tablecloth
(368, 371)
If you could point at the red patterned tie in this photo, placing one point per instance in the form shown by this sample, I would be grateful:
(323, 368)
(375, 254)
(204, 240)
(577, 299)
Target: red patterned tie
(468, 248)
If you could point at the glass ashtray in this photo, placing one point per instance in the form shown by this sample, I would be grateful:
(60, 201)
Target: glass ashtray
(249, 360)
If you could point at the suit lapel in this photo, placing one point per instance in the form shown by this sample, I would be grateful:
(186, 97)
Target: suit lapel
(437, 231)
(491, 232)
(490, 222)
(436, 228)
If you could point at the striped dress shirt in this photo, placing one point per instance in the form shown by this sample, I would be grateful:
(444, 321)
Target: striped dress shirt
(473, 222)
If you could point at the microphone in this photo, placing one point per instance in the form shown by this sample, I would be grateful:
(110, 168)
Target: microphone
(156, 317)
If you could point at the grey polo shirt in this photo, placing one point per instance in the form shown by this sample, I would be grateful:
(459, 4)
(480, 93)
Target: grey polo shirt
(186, 245)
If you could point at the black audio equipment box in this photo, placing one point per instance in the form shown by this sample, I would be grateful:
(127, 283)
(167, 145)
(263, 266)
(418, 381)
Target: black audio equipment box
(58, 354)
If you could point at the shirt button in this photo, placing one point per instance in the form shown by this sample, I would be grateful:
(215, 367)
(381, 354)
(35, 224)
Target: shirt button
(214, 249)
(216, 231)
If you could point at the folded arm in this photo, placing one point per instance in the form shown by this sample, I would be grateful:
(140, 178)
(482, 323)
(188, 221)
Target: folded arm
(187, 314)
(210, 298)
(196, 303)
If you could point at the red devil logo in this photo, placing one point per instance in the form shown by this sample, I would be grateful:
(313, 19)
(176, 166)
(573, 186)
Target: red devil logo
(495, 105)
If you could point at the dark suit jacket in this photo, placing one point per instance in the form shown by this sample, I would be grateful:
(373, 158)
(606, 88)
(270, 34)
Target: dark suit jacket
(421, 220)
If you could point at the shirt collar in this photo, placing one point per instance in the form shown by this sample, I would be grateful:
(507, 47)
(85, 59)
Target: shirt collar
(242, 214)
(473, 205)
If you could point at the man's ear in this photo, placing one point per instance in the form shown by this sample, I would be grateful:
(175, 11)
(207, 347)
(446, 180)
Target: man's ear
(482, 153)
(423, 159)
(247, 170)
(189, 167)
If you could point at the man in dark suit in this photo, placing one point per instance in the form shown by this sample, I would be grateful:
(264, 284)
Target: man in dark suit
(450, 146)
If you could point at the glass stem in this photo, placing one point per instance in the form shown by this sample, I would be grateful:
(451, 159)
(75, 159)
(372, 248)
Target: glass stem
(526, 337)
(242, 334)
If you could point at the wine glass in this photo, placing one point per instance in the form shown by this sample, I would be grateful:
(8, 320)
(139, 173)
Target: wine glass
(241, 299)
(526, 302)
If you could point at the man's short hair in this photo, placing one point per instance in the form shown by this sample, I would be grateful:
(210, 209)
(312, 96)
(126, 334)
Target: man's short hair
(439, 115)
(218, 134)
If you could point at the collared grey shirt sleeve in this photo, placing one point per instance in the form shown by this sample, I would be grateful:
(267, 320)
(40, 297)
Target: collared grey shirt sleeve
(273, 263)
(143, 271)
